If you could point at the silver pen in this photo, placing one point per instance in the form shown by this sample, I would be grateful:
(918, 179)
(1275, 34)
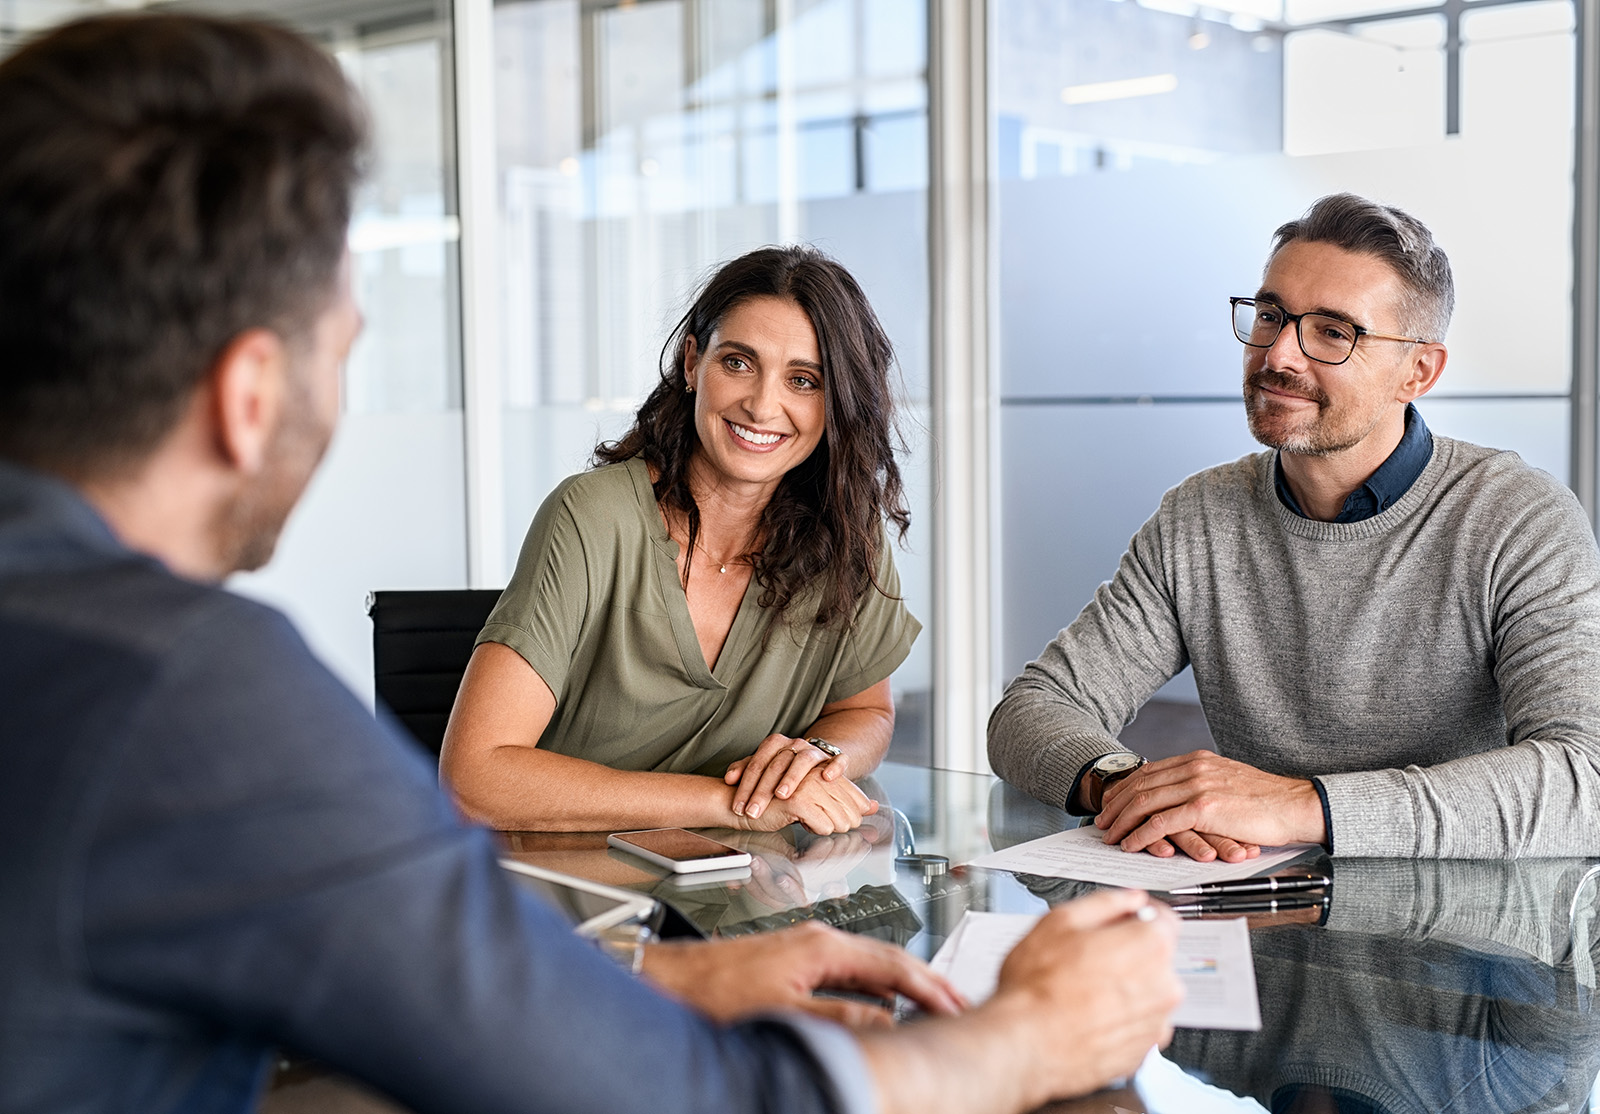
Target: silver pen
(1275, 884)
(1251, 905)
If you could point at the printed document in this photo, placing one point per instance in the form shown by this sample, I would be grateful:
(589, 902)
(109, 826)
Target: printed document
(1213, 961)
(1078, 853)
(1166, 1088)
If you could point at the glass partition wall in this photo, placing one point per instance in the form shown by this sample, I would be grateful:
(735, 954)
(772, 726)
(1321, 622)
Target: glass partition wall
(1146, 151)
(1140, 154)
(639, 146)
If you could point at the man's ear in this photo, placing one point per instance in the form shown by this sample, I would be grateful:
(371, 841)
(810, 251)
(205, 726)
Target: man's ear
(1426, 365)
(248, 386)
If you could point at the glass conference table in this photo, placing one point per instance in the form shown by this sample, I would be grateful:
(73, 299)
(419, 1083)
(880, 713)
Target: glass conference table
(1430, 986)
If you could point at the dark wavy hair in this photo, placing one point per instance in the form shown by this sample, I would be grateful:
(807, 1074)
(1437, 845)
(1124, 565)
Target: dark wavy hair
(167, 181)
(825, 520)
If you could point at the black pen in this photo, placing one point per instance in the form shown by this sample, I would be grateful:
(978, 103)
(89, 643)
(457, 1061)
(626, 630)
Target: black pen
(1258, 905)
(1278, 883)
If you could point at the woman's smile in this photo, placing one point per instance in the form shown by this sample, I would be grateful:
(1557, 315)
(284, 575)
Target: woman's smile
(754, 440)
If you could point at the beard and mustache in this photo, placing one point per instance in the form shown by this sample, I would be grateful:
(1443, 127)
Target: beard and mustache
(1316, 435)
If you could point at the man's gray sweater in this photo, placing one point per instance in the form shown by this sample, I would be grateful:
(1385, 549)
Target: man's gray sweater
(1436, 666)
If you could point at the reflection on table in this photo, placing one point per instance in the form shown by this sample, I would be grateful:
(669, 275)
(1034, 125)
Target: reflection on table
(1431, 986)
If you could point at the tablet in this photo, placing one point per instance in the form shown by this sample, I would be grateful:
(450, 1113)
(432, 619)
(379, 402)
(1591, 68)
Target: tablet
(590, 906)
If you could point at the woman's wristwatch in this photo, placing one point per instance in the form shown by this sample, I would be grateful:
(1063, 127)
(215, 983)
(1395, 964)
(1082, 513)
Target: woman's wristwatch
(1106, 771)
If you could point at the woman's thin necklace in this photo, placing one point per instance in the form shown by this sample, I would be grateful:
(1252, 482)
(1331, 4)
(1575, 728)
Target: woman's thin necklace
(722, 566)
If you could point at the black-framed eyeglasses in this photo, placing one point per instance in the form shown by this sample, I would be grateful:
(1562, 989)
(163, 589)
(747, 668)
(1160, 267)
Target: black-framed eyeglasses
(1323, 337)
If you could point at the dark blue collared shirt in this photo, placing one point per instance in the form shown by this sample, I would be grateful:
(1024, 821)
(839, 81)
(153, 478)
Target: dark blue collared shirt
(1384, 487)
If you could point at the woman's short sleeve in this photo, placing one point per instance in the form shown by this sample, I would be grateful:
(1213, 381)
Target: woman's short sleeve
(881, 636)
(540, 614)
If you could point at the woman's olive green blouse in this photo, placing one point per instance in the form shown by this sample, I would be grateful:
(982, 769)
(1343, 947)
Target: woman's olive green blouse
(596, 607)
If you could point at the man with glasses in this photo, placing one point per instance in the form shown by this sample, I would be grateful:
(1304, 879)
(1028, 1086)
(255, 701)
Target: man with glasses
(1395, 635)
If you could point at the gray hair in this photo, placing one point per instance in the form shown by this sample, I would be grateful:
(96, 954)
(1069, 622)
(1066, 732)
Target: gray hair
(1398, 239)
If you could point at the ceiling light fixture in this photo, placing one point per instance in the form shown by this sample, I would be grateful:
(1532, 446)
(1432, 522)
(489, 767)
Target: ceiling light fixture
(1120, 90)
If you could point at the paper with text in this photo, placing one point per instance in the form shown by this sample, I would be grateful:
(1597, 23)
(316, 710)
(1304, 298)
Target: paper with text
(1213, 961)
(1219, 976)
(1078, 853)
(971, 960)
(1168, 1089)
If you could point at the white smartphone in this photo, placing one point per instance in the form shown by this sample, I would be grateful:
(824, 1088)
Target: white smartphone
(680, 851)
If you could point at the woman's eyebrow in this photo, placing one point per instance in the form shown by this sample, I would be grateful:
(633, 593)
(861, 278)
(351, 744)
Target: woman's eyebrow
(745, 349)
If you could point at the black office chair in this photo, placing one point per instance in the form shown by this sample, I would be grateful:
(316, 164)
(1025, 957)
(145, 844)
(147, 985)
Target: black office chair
(420, 645)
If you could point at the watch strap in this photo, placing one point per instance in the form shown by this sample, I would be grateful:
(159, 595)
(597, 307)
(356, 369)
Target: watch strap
(1098, 783)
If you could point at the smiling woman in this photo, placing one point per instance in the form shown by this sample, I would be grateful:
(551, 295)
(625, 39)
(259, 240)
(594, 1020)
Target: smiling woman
(700, 631)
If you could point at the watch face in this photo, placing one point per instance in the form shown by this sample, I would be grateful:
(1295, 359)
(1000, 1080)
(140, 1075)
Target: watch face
(1119, 763)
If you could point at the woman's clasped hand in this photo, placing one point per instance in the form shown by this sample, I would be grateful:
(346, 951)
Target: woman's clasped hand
(809, 781)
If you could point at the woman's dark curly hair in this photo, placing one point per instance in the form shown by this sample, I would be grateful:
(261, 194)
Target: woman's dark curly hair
(825, 520)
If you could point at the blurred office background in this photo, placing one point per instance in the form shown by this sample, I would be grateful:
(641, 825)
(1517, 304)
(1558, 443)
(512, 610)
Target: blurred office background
(1048, 201)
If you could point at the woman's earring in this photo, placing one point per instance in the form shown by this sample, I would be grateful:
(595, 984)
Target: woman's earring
(689, 390)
